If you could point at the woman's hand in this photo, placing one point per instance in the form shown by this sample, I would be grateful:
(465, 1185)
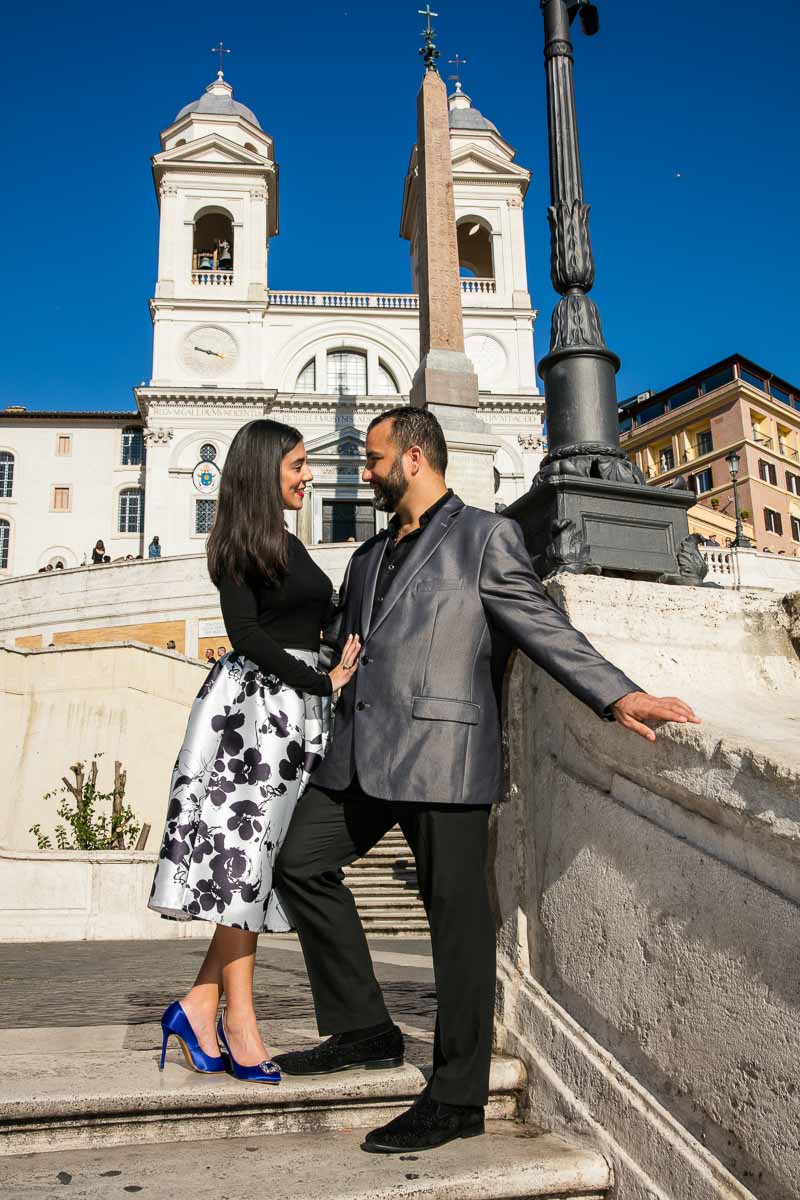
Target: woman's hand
(344, 672)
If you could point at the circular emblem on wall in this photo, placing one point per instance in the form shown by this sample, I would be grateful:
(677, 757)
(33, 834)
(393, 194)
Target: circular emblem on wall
(206, 477)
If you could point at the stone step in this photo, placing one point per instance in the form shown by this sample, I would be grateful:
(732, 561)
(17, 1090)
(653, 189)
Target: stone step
(386, 849)
(380, 887)
(79, 1101)
(384, 885)
(390, 904)
(510, 1163)
(397, 928)
(365, 868)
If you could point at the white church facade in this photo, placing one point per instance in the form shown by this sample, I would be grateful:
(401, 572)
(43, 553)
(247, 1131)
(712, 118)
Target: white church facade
(227, 348)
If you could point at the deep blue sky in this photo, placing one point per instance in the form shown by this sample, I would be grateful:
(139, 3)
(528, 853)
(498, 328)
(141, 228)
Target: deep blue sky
(689, 269)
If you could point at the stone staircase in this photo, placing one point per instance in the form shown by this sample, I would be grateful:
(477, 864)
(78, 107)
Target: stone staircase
(384, 884)
(112, 1124)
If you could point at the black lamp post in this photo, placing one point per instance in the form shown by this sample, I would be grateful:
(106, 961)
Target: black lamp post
(589, 508)
(741, 539)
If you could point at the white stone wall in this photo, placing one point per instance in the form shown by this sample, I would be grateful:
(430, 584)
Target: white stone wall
(58, 707)
(648, 895)
(73, 896)
(127, 593)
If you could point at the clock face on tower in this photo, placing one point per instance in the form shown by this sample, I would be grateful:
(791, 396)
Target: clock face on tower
(209, 350)
(488, 357)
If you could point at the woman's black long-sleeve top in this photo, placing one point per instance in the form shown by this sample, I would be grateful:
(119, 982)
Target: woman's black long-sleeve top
(263, 619)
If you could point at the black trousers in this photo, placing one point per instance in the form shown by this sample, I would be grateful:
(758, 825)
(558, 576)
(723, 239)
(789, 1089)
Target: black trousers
(330, 830)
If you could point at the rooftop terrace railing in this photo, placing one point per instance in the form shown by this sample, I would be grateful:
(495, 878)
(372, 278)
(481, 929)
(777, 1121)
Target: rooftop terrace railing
(470, 288)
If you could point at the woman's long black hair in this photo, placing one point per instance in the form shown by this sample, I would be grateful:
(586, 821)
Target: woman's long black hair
(249, 536)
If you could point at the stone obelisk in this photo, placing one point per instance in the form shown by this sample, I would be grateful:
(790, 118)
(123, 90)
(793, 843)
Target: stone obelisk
(445, 381)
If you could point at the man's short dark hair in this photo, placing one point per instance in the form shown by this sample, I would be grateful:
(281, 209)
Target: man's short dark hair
(416, 427)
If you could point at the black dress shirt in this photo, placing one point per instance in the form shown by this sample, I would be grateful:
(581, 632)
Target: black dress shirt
(396, 552)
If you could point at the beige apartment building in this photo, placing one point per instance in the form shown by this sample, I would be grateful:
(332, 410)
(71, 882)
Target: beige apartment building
(689, 429)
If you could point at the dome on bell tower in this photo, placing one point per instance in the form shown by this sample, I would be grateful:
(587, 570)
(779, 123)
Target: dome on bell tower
(464, 116)
(218, 101)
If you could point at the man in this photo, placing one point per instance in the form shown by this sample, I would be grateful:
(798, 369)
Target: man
(439, 600)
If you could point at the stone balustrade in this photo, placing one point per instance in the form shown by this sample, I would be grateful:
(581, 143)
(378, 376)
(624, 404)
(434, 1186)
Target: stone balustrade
(213, 278)
(741, 568)
(470, 288)
(722, 566)
(478, 287)
(382, 300)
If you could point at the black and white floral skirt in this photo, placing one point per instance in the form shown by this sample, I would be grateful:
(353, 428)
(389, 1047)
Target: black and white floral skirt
(250, 746)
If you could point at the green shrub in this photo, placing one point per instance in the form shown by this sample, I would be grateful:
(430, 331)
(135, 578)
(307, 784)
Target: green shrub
(85, 826)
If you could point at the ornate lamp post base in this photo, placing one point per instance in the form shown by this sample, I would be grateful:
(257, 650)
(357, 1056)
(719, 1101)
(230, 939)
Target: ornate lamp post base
(591, 524)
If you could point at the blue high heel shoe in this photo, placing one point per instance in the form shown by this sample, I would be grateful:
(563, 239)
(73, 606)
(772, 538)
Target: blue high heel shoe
(266, 1072)
(175, 1023)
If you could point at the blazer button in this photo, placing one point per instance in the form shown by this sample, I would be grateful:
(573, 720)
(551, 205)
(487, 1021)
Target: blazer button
(365, 659)
(361, 705)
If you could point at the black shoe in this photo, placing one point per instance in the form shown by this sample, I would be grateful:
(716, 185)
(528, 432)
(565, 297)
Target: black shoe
(374, 1053)
(426, 1125)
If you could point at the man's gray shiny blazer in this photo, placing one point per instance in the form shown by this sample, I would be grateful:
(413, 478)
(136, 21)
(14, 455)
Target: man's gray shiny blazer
(420, 720)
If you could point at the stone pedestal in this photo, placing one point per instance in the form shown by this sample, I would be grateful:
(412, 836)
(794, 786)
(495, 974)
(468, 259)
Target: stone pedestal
(582, 524)
(447, 385)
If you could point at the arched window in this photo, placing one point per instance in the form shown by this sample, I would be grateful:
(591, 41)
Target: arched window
(251, 147)
(131, 510)
(5, 539)
(6, 473)
(212, 249)
(307, 379)
(208, 452)
(132, 446)
(385, 384)
(347, 373)
(475, 254)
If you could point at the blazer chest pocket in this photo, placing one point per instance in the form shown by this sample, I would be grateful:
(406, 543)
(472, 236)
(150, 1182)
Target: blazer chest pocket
(433, 708)
(439, 585)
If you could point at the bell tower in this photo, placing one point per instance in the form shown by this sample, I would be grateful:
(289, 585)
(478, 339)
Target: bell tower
(216, 181)
(488, 192)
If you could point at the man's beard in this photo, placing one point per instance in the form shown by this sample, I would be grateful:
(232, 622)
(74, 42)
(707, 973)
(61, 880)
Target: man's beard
(390, 491)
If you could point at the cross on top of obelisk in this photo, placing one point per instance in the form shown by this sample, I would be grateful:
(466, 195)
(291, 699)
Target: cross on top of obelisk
(428, 51)
(220, 50)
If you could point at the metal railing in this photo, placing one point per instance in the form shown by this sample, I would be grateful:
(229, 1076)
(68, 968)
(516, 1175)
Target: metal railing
(788, 452)
(762, 440)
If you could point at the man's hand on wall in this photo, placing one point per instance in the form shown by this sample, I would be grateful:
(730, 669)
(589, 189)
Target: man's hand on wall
(637, 707)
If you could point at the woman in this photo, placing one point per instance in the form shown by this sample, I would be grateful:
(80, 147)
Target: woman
(259, 726)
(99, 553)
